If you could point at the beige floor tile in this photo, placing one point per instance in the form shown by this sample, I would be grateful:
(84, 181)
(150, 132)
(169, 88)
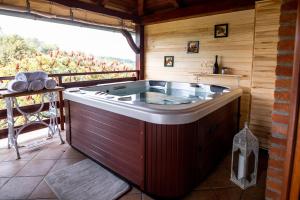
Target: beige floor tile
(257, 193)
(220, 179)
(52, 152)
(19, 187)
(3, 181)
(46, 199)
(228, 194)
(201, 195)
(204, 185)
(131, 197)
(60, 164)
(42, 191)
(37, 168)
(134, 190)
(72, 153)
(24, 154)
(11, 168)
(146, 197)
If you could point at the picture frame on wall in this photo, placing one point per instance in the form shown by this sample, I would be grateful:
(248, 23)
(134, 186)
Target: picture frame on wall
(169, 61)
(193, 47)
(221, 30)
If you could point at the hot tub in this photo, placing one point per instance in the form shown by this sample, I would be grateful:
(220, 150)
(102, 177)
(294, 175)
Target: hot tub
(164, 137)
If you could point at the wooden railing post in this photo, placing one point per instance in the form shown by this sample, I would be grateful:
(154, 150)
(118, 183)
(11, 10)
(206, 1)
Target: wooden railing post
(61, 105)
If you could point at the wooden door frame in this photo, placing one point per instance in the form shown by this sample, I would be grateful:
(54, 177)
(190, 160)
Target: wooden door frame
(295, 183)
(291, 182)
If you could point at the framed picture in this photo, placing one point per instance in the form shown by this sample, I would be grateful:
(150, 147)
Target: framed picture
(169, 61)
(221, 30)
(193, 47)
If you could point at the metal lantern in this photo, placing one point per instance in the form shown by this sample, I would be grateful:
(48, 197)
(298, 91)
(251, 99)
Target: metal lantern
(244, 158)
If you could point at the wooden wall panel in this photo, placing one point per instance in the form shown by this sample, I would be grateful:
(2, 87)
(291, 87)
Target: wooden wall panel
(236, 51)
(264, 64)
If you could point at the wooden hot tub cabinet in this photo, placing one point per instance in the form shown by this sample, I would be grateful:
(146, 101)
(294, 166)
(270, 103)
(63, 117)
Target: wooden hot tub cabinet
(165, 161)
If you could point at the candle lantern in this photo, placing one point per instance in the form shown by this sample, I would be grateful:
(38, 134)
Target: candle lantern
(244, 158)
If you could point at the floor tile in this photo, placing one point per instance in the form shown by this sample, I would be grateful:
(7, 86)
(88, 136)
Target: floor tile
(228, 194)
(50, 153)
(204, 185)
(19, 187)
(42, 191)
(24, 154)
(201, 195)
(257, 193)
(220, 179)
(60, 164)
(131, 197)
(46, 199)
(146, 197)
(3, 181)
(37, 168)
(134, 190)
(11, 168)
(72, 153)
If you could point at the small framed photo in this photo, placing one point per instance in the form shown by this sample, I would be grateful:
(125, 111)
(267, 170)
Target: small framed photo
(221, 30)
(169, 61)
(193, 47)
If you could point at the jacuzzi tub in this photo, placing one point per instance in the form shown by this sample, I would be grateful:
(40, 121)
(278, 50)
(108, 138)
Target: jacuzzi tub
(163, 137)
(157, 102)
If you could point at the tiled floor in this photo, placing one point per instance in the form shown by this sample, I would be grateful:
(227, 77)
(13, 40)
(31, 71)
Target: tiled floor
(23, 179)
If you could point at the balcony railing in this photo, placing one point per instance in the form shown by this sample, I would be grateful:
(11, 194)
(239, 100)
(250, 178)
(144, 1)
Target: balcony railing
(60, 78)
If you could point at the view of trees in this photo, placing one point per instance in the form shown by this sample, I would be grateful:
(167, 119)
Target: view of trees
(18, 54)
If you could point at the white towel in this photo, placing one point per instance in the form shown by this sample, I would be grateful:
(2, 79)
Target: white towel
(49, 83)
(31, 76)
(17, 86)
(36, 85)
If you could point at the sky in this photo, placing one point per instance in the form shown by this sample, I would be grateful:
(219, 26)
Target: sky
(68, 37)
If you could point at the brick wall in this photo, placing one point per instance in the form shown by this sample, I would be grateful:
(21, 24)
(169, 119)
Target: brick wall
(280, 115)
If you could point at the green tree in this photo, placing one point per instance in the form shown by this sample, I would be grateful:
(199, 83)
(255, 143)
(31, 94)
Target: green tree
(14, 47)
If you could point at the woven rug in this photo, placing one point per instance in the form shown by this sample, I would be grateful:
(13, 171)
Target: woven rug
(86, 180)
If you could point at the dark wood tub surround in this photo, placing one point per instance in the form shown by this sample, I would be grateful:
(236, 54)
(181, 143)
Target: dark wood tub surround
(166, 161)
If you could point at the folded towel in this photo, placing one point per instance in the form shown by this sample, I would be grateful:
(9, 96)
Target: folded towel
(49, 83)
(17, 86)
(31, 76)
(36, 85)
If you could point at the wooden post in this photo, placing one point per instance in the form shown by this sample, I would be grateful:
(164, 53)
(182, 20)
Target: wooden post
(140, 57)
(291, 175)
(61, 105)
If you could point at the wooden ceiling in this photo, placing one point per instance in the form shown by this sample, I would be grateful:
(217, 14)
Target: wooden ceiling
(153, 11)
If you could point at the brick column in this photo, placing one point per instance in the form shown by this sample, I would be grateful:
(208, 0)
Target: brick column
(280, 115)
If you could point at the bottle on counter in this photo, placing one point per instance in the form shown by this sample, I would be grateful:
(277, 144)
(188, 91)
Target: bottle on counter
(216, 66)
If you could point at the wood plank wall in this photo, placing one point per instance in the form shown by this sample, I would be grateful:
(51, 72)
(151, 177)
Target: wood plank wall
(264, 64)
(236, 51)
(250, 50)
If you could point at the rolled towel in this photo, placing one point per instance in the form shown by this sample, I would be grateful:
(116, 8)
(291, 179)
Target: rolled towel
(31, 76)
(49, 83)
(17, 86)
(36, 85)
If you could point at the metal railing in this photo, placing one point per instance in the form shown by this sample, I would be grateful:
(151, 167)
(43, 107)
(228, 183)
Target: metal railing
(59, 77)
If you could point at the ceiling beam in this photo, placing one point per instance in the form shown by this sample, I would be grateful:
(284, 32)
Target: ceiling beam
(202, 9)
(130, 41)
(97, 9)
(140, 7)
(102, 2)
(174, 3)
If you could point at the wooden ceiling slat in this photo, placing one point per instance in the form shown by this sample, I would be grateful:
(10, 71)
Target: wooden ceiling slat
(97, 9)
(208, 8)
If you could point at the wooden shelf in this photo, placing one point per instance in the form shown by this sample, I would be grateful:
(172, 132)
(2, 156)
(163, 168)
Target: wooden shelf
(219, 75)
